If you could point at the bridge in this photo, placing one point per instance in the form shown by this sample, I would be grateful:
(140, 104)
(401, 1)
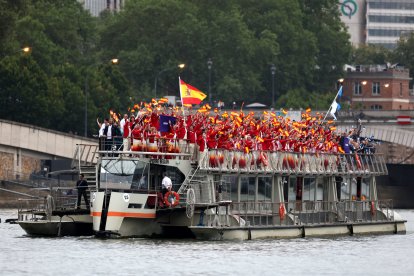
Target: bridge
(23, 146)
(383, 125)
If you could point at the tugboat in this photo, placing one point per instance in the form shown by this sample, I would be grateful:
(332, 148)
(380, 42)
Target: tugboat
(226, 194)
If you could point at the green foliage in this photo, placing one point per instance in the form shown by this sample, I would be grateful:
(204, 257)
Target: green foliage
(299, 98)
(370, 54)
(69, 63)
(404, 53)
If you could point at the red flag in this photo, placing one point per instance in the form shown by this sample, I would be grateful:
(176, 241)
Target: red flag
(190, 94)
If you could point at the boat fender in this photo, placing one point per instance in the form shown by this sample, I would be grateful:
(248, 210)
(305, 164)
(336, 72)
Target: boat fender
(172, 199)
(282, 211)
(372, 208)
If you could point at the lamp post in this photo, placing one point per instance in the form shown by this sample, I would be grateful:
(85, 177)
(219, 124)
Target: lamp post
(209, 65)
(181, 66)
(113, 62)
(273, 71)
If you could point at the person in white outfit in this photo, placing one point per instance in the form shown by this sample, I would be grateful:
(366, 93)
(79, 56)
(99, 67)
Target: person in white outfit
(166, 184)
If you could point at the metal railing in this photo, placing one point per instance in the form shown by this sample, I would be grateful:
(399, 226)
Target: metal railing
(311, 212)
(84, 155)
(163, 147)
(293, 163)
(254, 161)
(61, 198)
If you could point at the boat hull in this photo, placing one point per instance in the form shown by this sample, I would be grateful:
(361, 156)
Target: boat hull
(79, 226)
(295, 231)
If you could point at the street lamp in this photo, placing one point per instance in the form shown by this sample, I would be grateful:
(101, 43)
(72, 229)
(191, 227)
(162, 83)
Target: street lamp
(181, 66)
(273, 71)
(112, 61)
(209, 65)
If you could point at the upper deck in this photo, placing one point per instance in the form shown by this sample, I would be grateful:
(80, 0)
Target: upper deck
(255, 161)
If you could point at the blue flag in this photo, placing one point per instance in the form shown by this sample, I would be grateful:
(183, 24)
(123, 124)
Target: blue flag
(166, 122)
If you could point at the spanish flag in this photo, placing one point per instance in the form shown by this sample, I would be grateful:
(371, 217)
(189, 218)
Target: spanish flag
(190, 94)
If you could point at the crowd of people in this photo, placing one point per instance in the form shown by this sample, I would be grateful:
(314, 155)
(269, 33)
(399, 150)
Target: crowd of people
(352, 142)
(157, 128)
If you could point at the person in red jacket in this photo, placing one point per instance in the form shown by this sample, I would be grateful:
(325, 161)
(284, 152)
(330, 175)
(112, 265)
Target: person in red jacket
(202, 146)
(192, 139)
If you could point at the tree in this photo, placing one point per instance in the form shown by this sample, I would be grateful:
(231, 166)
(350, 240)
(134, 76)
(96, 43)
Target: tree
(300, 98)
(370, 54)
(404, 53)
(9, 14)
(322, 19)
(304, 39)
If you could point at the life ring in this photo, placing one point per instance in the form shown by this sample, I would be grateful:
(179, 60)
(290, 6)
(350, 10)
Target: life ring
(372, 207)
(174, 202)
(282, 211)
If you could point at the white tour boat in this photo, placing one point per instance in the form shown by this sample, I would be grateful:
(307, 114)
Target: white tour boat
(222, 194)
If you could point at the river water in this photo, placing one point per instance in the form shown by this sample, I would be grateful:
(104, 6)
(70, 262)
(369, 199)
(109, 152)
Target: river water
(367, 255)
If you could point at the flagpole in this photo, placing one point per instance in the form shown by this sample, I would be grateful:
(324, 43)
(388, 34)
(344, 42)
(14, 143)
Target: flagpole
(330, 107)
(182, 104)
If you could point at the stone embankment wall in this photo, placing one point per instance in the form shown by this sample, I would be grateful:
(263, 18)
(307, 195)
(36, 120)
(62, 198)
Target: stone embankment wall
(6, 162)
(10, 168)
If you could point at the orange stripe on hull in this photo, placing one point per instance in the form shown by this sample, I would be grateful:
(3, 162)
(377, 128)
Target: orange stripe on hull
(125, 214)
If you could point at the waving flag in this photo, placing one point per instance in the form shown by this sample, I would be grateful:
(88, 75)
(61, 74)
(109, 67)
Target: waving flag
(166, 122)
(190, 94)
(334, 108)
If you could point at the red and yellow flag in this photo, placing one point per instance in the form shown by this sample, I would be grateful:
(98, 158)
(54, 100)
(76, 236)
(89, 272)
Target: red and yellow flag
(190, 94)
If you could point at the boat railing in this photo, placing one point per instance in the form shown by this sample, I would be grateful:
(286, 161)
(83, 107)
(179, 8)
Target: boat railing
(84, 155)
(287, 163)
(205, 195)
(266, 213)
(32, 209)
(156, 148)
(255, 161)
(51, 199)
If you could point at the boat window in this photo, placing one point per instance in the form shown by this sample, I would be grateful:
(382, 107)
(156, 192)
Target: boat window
(292, 189)
(140, 179)
(321, 193)
(231, 182)
(309, 185)
(345, 186)
(247, 191)
(365, 192)
(114, 181)
(177, 177)
(264, 188)
(155, 176)
(120, 167)
(353, 188)
(292, 193)
(118, 174)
